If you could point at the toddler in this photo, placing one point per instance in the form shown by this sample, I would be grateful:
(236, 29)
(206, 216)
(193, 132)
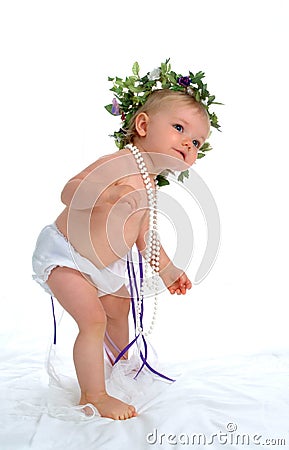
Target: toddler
(109, 207)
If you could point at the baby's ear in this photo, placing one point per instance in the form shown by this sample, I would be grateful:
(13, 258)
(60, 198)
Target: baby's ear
(141, 123)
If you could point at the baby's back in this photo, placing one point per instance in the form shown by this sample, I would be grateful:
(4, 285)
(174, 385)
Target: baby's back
(106, 209)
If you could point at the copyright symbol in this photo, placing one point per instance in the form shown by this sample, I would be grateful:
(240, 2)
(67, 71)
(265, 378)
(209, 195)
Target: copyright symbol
(231, 426)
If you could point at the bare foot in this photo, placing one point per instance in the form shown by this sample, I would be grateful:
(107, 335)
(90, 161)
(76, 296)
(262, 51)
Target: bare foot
(111, 407)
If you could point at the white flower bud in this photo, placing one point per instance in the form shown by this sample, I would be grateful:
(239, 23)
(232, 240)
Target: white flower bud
(154, 75)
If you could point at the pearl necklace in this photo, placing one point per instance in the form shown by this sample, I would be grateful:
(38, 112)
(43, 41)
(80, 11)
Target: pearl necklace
(152, 253)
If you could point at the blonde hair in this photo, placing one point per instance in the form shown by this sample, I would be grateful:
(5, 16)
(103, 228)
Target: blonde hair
(155, 102)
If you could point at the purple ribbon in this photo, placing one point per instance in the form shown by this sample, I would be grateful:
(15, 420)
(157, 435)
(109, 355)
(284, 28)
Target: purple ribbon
(54, 320)
(133, 286)
(137, 298)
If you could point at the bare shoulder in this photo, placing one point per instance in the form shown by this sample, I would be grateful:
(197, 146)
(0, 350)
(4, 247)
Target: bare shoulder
(110, 167)
(96, 164)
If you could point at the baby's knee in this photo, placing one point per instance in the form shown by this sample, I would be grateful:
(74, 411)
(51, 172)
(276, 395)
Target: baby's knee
(94, 323)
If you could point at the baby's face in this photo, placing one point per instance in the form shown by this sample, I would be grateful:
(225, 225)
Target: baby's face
(178, 130)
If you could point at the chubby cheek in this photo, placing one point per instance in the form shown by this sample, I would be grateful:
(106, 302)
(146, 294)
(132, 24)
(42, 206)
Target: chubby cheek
(192, 157)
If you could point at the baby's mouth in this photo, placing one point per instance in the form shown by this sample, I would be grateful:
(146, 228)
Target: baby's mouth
(181, 153)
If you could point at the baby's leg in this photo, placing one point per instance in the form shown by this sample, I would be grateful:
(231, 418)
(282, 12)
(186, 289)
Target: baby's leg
(79, 298)
(117, 308)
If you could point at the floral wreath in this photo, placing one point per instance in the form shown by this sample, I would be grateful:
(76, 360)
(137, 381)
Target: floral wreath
(132, 92)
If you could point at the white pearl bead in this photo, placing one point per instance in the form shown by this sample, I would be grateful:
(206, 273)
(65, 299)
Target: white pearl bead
(153, 245)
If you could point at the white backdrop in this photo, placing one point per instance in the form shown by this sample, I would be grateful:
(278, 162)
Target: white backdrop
(55, 59)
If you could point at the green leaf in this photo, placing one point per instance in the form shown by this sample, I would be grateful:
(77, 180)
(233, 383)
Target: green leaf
(135, 69)
(200, 155)
(109, 108)
(206, 147)
(135, 89)
(117, 90)
(172, 78)
(200, 74)
(183, 175)
(164, 68)
(211, 98)
(197, 96)
(162, 181)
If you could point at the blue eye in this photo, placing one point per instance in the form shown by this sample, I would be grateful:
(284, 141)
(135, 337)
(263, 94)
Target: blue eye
(179, 127)
(196, 143)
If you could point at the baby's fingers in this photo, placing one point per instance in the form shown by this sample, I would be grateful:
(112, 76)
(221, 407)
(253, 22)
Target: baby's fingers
(184, 286)
(185, 282)
(131, 198)
(172, 290)
(188, 284)
(177, 291)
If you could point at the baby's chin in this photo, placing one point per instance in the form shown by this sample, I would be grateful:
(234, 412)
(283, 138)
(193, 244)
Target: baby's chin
(166, 162)
(177, 165)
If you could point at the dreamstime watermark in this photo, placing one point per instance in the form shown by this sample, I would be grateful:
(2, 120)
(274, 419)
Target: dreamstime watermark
(228, 437)
(85, 220)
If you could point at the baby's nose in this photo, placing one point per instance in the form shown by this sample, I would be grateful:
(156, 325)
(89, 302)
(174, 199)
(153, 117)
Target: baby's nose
(187, 143)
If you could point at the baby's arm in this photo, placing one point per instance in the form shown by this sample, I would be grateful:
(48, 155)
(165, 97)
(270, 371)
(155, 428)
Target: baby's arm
(83, 194)
(79, 193)
(100, 183)
(174, 278)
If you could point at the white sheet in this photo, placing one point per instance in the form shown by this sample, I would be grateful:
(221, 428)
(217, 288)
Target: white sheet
(52, 111)
(210, 397)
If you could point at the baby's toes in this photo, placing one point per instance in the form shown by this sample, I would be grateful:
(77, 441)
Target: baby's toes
(131, 412)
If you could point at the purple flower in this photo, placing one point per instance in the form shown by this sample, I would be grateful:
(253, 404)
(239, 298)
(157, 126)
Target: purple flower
(184, 81)
(115, 107)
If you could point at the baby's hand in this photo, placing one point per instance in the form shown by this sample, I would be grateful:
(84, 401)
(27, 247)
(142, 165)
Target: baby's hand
(181, 285)
(176, 281)
(124, 194)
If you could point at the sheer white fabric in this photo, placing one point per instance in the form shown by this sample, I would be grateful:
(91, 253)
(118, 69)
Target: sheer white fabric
(38, 410)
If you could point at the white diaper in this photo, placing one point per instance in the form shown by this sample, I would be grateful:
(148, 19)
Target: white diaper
(53, 249)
